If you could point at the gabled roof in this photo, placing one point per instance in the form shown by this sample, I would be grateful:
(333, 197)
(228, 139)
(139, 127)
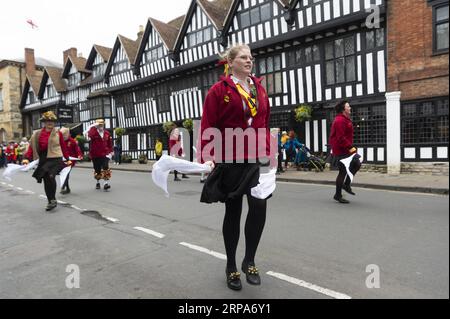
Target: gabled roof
(33, 81)
(131, 49)
(55, 74)
(78, 62)
(168, 33)
(217, 11)
(104, 52)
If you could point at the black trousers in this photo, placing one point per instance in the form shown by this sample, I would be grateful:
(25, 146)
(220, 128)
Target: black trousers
(100, 164)
(254, 227)
(280, 159)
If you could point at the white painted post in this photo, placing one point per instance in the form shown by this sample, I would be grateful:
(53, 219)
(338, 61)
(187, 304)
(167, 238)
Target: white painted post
(393, 134)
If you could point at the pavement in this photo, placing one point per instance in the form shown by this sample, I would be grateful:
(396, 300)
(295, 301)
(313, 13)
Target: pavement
(420, 183)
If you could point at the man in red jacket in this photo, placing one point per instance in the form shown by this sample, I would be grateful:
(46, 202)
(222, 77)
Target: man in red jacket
(100, 152)
(341, 141)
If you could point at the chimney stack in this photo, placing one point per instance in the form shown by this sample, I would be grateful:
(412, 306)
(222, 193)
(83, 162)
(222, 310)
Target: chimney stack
(70, 52)
(141, 32)
(30, 63)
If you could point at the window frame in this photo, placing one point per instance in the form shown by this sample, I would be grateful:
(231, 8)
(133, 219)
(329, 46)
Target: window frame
(435, 24)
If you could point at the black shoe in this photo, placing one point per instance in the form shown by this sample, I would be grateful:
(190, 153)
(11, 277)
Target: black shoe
(202, 181)
(233, 280)
(341, 199)
(51, 205)
(65, 191)
(348, 189)
(176, 179)
(97, 186)
(185, 176)
(252, 273)
(106, 187)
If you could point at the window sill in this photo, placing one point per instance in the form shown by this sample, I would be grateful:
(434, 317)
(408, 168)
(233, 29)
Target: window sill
(438, 53)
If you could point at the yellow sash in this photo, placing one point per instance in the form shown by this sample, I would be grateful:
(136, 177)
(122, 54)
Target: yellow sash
(249, 101)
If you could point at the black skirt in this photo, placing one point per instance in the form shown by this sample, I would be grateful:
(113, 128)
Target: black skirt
(229, 181)
(50, 166)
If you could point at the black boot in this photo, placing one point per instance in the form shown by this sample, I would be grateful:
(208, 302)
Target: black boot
(97, 186)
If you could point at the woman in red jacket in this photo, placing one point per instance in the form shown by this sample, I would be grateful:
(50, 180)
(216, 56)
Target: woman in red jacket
(48, 146)
(341, 141)
(237, 101)
(74, 151)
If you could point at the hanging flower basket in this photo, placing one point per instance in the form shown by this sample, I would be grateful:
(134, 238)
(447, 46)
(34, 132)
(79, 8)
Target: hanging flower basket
(168, 127)
(303, 113)
(188, 125)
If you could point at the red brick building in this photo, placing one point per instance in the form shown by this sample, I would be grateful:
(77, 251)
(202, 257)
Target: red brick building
(417, 82)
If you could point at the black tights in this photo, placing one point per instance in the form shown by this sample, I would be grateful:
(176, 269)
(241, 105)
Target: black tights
(254, 226)
(343, 179)
(66, 183)
(50, 187)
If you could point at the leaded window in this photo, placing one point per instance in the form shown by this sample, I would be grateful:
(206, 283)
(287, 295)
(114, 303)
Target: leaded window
(255, 15)
(126, 101)
(340, 64)
(425, 122)
(270, 69)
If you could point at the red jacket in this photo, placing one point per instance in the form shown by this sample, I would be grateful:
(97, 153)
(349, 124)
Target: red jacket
(341, 136)
(223, 108)
(172, 143)
(43, 144)
(100, 147)
(73, 149)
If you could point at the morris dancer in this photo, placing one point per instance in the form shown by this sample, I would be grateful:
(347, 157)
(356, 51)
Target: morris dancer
(48, 146)
(100, 152)
(341, 141)
(237, 101)
(74, 151)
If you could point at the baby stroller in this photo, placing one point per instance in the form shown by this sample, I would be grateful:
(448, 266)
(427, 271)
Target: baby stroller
(308, 161)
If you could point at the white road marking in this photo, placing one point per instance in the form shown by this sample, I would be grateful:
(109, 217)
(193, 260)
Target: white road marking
(150, 232)
(205, 250)
(10, 185)
(111, 219)
(3, 183)
(19, 188)
(304, 284)
(42, 196)
(30, 192)
(77, 208)
(61, 202)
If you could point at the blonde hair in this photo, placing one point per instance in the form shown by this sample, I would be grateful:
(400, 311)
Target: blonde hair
(232, 52)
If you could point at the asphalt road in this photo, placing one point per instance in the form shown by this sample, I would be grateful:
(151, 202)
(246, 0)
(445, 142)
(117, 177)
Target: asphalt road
(312, 247)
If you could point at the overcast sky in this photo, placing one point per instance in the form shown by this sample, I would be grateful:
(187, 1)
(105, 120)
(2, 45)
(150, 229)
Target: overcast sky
(81, 23)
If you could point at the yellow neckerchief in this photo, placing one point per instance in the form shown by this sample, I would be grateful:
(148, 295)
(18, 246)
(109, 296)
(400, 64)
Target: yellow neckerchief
(249, 101)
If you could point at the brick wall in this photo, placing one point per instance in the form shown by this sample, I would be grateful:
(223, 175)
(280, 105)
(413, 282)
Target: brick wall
(411, 66)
